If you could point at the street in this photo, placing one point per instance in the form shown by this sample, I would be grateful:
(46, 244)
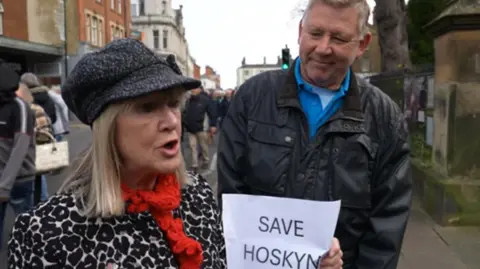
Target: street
(426, 245)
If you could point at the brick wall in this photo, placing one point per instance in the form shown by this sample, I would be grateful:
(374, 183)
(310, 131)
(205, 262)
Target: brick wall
(209, 71)
(103, 9)
(196, 71)
(15, 24)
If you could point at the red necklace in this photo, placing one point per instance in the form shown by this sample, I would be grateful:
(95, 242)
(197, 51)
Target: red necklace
(161, 201)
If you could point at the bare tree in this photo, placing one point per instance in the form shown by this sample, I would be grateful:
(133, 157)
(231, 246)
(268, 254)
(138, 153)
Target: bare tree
(391, 20)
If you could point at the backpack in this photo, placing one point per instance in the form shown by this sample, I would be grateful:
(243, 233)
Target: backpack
(43, 125)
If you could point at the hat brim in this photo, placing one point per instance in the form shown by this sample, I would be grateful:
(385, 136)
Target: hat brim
(155, 78)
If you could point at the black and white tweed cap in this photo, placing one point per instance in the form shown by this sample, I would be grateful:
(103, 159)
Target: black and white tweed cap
(122, 70)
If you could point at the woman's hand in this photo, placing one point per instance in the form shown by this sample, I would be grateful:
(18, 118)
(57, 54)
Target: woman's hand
(333, 259)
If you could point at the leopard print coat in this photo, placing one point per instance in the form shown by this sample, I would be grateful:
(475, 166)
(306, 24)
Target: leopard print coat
(55, 235)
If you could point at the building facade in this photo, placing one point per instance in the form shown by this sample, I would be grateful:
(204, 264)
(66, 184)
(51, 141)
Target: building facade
(32, 35)
(208, 83)
(190, 66)
(246, 71)
(92, 24)
(212, 75)
(196, 71)
(163, 30)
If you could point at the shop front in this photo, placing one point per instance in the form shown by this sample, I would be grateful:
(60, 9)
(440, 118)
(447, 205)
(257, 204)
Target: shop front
(43, 60)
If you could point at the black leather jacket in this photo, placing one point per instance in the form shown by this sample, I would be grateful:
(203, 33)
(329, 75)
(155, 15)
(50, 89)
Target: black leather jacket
(361, 156)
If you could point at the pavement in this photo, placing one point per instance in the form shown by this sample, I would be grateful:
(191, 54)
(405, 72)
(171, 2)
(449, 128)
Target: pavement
(426, 244)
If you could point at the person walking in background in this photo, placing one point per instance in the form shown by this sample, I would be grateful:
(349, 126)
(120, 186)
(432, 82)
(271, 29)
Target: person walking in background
(224, 104)
(43, 125)
(198, 105)
(17, 147)
(40, 95)
(41, 98)
(61, 126)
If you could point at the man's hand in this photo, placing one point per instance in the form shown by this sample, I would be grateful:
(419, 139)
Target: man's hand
(333, 259)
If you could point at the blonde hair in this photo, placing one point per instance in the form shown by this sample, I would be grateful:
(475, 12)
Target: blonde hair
(96, 178)
(361, 5)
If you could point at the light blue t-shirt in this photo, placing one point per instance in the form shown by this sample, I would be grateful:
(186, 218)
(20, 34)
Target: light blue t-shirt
(319, 104)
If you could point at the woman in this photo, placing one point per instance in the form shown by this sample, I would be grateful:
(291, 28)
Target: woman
(129, 203)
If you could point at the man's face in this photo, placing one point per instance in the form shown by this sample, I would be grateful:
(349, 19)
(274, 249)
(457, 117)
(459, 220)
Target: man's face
(196, 91)
(329, 42)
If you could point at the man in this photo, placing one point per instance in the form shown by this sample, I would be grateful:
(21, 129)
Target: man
(318, 132)
(224, 104)
(40, 94)
(17, 147)
(197, 106)
(62, 124)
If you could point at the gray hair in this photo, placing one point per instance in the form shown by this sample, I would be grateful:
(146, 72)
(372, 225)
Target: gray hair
(30, 80)
(360, 5)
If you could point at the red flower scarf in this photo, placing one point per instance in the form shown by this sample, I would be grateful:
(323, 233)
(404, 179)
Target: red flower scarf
(161, 201)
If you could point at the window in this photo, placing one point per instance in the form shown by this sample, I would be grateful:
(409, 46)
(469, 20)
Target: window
(95, 29)
(101, 31)
(245, 73)
(156, 39)
(165, 39)
(119, 6)
(164, 7)
(116, 31)
(113, 33)
(133, 10)
(88, 27)
(1, 19)
(112, 4)
(142, 8)
(94, 33)
(477, 63)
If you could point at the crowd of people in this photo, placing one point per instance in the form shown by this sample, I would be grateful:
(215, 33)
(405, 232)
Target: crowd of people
(203, 113)
(30, 113)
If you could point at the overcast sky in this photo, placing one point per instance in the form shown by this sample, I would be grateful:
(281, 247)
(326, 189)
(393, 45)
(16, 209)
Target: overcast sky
(220, 33)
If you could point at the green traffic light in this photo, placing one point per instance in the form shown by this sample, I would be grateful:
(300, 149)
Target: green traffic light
(284, 66)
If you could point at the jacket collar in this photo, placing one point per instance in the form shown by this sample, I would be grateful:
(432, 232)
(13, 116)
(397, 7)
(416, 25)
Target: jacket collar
(288, 96)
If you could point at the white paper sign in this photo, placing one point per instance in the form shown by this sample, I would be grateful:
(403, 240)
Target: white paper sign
(269, 232)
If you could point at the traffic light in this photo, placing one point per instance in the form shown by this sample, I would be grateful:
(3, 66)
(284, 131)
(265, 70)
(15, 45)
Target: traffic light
(285, 58)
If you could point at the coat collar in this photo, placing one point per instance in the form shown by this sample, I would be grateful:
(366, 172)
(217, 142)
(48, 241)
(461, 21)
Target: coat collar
(288, 95)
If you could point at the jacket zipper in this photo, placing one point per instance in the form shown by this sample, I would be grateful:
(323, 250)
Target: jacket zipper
(330, 180)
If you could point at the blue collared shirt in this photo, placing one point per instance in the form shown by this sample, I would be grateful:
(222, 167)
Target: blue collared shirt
(319, 104)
